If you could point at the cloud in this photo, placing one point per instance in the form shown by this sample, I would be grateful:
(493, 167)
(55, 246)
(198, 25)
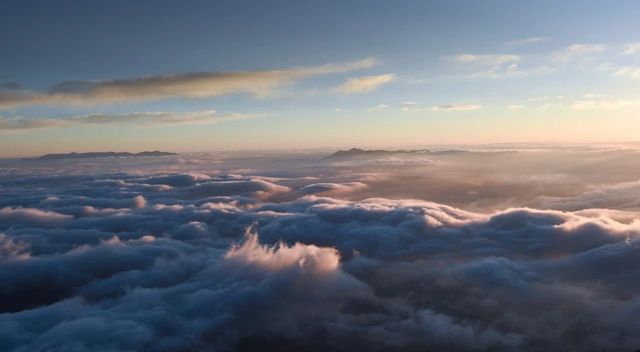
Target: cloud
(441, 108)
(140, 119)
(608, 104)
(488, 59)
(514, 107)
(547, 98)
(629, 72)
(631, 49)
(332, 189)
(493, 66)
(526, 41)
(379, 107)
(190, 85)
(10, 85)
(578, 51)
(126, 255)
(456, 107)
(364, 84)
(185, 270)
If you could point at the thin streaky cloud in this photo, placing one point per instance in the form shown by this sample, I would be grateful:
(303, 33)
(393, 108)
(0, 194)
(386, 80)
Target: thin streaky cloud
(526, 41)
(609, 104)
(378, 107)
(628, 72)
(364, 84)
(577, 51)
(138, 119)
(485, 59)
(190, 85)
(631, 48)
(442, 108)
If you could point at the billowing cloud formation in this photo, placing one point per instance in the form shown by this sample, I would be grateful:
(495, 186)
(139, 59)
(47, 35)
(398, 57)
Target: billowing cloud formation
(189, 85)
(190, 261)
(145, 119)
(364, 84)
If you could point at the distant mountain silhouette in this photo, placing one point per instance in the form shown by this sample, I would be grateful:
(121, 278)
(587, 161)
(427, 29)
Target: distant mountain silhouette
(362, 153)
(99, 155)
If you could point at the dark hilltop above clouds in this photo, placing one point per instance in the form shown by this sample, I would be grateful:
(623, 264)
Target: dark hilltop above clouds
(75, 155)
(363, 153)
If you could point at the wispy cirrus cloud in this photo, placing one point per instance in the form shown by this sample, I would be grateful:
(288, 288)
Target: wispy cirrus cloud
(577, 51)
(138, 119)
(526, 41)
(189, 85)
(605, 104)
(379, 107)
(441, 108)
(364, 84)
(485, 59)
(628, 72)
(492, 66)
(456, 107)
(631, 48)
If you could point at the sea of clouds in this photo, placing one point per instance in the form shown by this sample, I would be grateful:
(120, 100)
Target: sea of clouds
(540, 251)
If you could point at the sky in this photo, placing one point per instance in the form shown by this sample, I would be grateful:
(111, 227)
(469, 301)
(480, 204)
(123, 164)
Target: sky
(237, 75)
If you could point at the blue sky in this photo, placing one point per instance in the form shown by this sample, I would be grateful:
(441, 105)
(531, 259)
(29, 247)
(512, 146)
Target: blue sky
(197, 76)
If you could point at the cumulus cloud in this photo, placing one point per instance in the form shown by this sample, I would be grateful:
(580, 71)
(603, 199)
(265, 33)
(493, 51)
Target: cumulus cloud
(140, 119)
(197, 261)
(364, 84)
(190, 85)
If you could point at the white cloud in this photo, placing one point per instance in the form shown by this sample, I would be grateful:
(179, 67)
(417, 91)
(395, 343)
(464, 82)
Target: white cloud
(364, 84)
(514, 107)
(631, 48)
(577, 51)
(441, 108)
(612, 104)
(189, 85)
(547, 98)
(486, 59)
(526, 41)
(629, 72)
(378, 107)
(456, 107)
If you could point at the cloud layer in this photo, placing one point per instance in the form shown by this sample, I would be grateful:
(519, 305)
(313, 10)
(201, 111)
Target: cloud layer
(190, 261)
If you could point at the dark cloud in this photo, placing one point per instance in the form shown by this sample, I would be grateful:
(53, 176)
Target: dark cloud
(143, 259)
